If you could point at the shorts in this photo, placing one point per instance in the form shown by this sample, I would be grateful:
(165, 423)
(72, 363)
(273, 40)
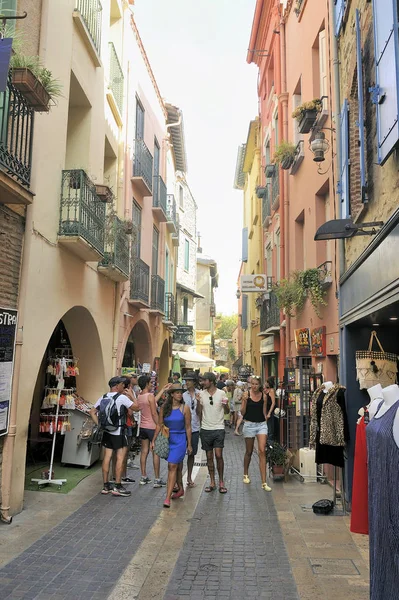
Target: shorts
(114, 442)
(251, 430)
(194, 442)
(147, 434)
(212, 438)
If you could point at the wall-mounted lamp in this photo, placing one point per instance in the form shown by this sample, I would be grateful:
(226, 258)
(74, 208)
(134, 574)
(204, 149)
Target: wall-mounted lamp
(319, 146)
(238, 293)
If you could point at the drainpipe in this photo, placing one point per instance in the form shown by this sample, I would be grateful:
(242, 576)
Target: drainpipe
(176, 124)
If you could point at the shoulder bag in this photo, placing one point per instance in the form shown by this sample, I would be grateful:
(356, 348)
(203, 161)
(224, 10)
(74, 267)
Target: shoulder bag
(161, 444)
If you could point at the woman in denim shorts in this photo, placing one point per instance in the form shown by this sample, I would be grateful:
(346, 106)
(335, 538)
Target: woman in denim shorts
(255, 413)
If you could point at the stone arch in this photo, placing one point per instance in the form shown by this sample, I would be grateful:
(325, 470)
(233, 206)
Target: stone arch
(140, 336)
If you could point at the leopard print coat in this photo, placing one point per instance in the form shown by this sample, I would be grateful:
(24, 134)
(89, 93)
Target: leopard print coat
(332, 418)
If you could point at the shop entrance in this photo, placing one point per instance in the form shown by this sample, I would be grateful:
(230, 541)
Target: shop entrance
(138, 348)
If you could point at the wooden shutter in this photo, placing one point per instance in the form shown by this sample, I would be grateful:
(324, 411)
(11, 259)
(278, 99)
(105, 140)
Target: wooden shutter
(340, 6)
(360, 97)
(244, 244)
(344, 183)
(323, 67)
(244, 311)
(385, 94)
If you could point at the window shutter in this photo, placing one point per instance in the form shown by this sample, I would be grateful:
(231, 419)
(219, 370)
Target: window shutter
(323, 67)
(360, 98)
(385, 94)
(244, 311)
(345, 204)
(244, 244)
(340, 6)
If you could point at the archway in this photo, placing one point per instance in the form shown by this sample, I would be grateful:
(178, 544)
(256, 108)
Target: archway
(138, 348)
(164, 363)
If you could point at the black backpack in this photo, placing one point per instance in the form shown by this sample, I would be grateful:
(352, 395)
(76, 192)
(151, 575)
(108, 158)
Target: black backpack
(109, 418)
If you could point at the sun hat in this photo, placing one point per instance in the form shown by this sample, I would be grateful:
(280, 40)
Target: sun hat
(190, 375)
(175, 387)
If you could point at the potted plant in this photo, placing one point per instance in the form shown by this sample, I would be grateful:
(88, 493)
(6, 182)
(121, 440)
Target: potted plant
(36, 83)
(269, 170)
(277, 457)
(292, 292)
(311, 283)
(285, 155)
(306, 114)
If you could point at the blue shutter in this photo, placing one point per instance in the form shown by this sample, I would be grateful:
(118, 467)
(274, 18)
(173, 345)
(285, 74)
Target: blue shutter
(244, 312)
(345, 203)
(244, 244)
(386, 93)
(362, 148)
(340, 6)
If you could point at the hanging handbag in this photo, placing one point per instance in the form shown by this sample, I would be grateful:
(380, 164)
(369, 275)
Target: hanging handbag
(96, 436)
(161, 444)
(374, 367)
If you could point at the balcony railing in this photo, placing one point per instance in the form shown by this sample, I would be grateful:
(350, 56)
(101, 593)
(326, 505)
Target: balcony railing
(142, 163)
(115, 76)
(269, 313)
(91, 11)
(266, 212)
(159, 194)
(171, 212)
(140, 281)
(170, 307)
(116, 247)
(157, 293)
(16, 134)
(82, 212)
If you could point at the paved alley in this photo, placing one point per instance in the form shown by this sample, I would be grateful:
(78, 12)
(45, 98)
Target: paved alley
(245, 544)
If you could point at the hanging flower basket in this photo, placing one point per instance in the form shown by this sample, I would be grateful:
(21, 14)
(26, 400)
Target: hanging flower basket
(287, 162)
(269, 170)
(33, 90)
(307, 120)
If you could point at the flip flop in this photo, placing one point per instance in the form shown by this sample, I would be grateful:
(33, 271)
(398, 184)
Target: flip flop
(222, 489)
(191, 484)
(210, 488)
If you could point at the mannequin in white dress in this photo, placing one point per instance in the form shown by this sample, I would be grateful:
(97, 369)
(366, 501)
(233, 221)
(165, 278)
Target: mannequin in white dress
(327, 385)
(391, 395)
(376, 396)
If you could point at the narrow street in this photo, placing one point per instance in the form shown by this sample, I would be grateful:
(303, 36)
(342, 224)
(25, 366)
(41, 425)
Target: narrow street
(245, 544)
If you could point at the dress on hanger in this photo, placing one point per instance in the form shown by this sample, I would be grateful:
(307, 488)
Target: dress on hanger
(360, 504)
(326, 454)
(383, 473)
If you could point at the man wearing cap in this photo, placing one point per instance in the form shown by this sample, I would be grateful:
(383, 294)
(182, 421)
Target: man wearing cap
(115, 441)
(213, 404)
(190, 400)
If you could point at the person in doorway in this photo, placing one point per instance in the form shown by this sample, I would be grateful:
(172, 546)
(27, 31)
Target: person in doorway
(221, 384)
(271, 404)
(190, 400)
(213, 404)
(148, 423)
(176, 377)
(254, 411)
(177, 417)
(114, 441)
(237, 399)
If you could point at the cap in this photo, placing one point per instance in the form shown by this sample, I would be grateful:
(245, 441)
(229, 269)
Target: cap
(176, 387)
(115, 381)
(240, 383)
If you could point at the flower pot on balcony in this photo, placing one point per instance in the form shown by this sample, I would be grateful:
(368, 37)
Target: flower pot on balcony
(307, 120)
(32, 89)
(287, 162)
(269, 170)
(277, 472)
(104, 193)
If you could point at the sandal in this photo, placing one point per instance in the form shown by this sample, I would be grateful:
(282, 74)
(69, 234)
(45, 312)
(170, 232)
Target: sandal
(222, 489)
(210, 488)
(191, 484)
(246, 479)
(266, 487)
(177, 495)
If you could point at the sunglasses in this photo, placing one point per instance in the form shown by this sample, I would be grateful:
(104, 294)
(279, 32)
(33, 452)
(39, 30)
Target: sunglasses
(211, 400)
(192, 404)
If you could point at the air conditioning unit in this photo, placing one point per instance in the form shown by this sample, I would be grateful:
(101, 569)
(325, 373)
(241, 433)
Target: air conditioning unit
(307, 465)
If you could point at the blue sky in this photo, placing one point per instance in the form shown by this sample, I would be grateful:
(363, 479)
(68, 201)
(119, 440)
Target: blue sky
(198, 54)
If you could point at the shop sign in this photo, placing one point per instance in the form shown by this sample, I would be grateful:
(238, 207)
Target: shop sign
(302, 341)
(146, 368)
(267, 345)
(8, 331)
(319, 341)
(184, 335)
(253, 283)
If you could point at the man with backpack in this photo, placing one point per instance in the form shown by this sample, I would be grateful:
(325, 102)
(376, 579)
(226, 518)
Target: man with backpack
(109, 413)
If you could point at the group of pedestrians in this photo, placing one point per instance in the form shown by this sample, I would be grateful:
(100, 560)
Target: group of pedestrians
(197, 411)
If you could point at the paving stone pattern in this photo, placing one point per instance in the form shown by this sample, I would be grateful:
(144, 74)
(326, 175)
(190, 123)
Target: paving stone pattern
(234, 548)
(84, 556)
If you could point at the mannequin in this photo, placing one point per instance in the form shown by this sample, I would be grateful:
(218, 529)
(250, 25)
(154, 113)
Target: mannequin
(376, 396)
(391, 395)
(327, 385)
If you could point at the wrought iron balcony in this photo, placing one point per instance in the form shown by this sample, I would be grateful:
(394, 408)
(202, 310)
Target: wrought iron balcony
(142, 168)
(157, 293)
(115, 263)
(91, 15)
(139, 282)
(170, 308)
(172, 218)
(275, 188)
(16, 138)
(269, 313)
(82, 216)
(115, 76)
(159, 198)
(266, 209)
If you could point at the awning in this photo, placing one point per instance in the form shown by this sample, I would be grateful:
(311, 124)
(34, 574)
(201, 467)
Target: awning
(193, 360)
(188, 290)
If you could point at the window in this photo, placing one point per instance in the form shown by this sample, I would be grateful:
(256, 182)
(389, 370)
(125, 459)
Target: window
(155, 249)
(156, 157)
(244, 311)
(344, 183)
(244, 256)
(139, 120)
(269, 261)
(185, 310)
(278, 267)
(181, 196)
(186, 255)
(8, 8)
(136, 246)
(340, 6)
(297, 101)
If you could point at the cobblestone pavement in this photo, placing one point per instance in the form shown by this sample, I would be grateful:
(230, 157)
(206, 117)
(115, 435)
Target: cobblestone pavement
(84, 556)
(234, 548)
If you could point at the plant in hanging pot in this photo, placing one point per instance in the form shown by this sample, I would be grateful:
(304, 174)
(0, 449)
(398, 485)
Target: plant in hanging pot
(34, 81)
(312, 284)
(290, 294)
(306, 114)
(285, 155)
(277, 458)
(269, 170)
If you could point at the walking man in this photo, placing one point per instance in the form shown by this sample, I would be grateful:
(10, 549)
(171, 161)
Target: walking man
(213, 404)
(221, 384)
(190, 400)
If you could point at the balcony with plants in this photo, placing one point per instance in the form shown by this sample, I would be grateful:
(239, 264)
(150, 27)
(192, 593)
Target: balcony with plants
(82, 216)
(115, 85)
(157, 294)
(307, 113)
(293, 292)
(142, 168)
(116, 262)
(159, 199)
(87, 17)
(139, 283)
(269, 313)
(172, 223)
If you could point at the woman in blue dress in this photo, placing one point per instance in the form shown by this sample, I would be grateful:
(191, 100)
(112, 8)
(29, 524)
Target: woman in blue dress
(176, 415)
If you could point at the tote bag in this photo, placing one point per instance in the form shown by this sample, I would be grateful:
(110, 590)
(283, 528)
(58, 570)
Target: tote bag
(161, 444)
(374, 367)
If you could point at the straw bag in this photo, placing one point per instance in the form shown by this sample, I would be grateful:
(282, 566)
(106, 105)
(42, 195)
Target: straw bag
(375, 367)
(161, 444)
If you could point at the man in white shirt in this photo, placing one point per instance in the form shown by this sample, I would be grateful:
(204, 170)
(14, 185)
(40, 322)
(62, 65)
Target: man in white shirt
(115, 441)
(191, 401)
(213, 404)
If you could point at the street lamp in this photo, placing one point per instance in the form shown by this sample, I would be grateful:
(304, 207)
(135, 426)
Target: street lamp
(319, 146)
